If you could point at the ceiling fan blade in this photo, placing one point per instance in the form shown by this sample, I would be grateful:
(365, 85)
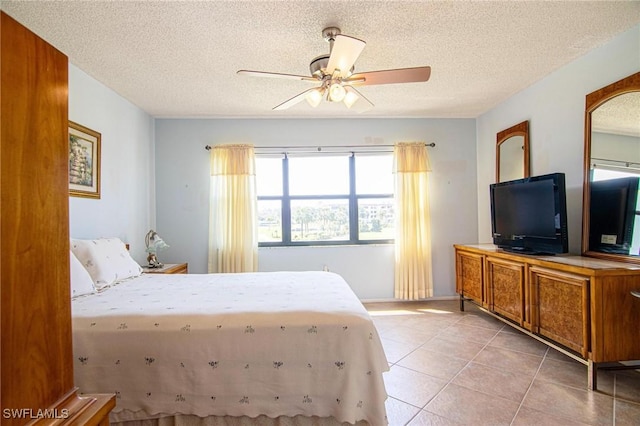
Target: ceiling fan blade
(344, 53)
(277, 75)
(402, 75)
(291, 102)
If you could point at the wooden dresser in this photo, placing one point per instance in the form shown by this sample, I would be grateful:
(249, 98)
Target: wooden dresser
(579, 305)
(37, 356)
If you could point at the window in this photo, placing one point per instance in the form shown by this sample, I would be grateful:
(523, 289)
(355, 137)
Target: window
(325, 199)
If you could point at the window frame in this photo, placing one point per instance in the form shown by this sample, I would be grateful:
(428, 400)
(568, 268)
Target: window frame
(353, 198)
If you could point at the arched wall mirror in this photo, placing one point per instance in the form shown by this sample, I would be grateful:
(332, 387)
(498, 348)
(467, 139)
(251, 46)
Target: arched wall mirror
(611, 201)
(512, 153)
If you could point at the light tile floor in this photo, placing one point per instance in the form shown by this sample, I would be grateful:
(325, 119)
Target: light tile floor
(468, 368)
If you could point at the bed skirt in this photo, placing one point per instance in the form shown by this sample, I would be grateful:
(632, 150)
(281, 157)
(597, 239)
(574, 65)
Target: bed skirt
(190, 420)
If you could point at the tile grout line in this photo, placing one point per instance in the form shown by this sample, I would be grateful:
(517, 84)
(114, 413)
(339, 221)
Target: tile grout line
(504, 326)
(421, 409)
(462, 320)
(431, 338)
(533, 379)
(459, 371)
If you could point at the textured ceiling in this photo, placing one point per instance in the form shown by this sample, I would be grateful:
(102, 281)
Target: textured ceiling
(179, 58)
(620, 115)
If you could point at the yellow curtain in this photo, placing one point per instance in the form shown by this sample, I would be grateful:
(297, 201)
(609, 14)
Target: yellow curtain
(413, 278)
(233, 230)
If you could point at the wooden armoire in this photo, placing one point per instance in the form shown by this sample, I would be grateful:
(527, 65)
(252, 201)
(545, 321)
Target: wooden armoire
(35, 304)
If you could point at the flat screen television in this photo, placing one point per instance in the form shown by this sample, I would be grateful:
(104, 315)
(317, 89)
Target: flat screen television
(612, 214)
(530, 215)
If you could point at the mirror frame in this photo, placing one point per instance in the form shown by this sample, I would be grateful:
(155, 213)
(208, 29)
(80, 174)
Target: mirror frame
(520, 129)
(592, 102)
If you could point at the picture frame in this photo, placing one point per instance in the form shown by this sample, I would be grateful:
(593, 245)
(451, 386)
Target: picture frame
(84, 161)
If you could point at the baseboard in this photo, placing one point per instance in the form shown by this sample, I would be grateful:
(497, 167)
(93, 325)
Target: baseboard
(438, 298)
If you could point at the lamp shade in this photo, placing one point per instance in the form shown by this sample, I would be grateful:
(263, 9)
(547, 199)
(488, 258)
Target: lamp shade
(154, 243)
(351, 97)
(314, 97)
(336, 92)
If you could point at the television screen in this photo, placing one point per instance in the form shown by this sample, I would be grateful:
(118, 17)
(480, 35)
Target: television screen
(612, 214)
(529, 215)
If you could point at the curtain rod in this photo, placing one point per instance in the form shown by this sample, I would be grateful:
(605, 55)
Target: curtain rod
(321, 148)
(624, 162)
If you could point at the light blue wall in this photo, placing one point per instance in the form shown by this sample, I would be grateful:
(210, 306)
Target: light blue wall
(463, 165)
(555, 108)
(182, 188)
(615, 147)
(126, 208)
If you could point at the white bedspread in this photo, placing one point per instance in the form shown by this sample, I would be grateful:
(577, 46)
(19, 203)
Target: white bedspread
(275, 343)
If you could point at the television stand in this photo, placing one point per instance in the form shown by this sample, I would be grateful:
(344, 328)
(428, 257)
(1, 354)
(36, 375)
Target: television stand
(583, 306)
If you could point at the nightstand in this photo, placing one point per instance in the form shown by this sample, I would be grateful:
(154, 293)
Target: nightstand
(168, 268)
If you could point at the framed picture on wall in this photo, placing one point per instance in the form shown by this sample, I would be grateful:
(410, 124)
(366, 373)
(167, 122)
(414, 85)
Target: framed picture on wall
(84, 161)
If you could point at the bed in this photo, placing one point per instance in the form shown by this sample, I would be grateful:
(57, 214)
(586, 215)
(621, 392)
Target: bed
(272, 345)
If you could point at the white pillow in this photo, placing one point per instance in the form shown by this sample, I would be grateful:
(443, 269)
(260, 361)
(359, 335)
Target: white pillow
(106, 259)
(81, 282)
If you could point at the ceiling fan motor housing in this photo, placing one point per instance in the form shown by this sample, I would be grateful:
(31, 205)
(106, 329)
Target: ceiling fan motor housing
(318, 65)
(330, 33)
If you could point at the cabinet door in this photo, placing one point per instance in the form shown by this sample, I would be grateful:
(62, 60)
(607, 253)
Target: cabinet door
(615, 319)
(37, 352)
(560, 308)
(35, 308)
(470, 275)
(505, 289)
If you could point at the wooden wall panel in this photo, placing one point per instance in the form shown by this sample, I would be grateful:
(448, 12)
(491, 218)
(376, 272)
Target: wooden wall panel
(34, 234)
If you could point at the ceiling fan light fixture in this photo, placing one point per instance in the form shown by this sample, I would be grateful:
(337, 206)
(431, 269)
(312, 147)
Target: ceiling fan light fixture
(314, 97)
(350, 98)
(337, 92)
(334, 75)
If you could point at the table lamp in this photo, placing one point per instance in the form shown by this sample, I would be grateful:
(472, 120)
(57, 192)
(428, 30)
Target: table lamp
(154, 243)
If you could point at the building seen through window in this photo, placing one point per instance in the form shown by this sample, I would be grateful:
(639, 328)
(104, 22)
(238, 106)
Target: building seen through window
(325, 199)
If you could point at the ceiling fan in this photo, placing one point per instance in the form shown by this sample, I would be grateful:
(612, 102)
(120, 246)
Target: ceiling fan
(334, 74)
